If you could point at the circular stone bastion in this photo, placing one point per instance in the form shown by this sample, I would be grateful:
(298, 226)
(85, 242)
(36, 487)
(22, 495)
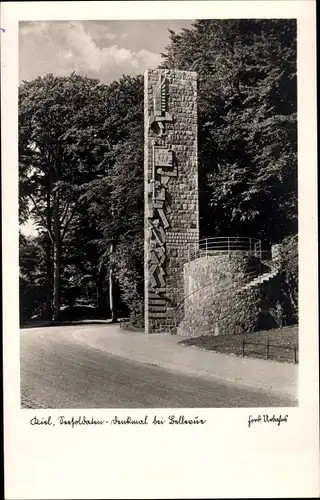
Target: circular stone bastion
(215, 302)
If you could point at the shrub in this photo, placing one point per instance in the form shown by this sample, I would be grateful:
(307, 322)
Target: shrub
(289, 276)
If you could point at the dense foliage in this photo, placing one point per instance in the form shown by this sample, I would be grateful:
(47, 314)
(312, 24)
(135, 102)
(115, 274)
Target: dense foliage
(77, 141)
(247, 123)
(81, 163)
(289, 277)
(32, 276)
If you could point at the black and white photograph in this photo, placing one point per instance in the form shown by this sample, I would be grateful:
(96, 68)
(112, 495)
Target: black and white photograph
(158, 245)
(159, 230)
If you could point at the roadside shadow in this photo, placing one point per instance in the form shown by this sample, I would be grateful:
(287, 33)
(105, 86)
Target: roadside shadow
(44, 324)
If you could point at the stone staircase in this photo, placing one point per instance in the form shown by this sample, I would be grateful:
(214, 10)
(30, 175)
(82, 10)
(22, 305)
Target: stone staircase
(273, 267)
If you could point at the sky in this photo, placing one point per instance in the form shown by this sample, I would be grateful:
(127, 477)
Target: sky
(99, 49)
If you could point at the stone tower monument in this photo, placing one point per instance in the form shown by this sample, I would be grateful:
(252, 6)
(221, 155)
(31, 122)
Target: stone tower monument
(171, 191)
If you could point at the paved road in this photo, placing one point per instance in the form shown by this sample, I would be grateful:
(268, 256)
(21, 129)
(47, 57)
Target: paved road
(59, 371)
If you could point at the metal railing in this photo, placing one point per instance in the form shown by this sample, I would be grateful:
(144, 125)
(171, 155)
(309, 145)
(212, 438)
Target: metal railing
(224, 245)
(294, 349)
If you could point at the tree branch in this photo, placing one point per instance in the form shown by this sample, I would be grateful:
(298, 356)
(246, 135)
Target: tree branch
(68, 222)
(42, 219)
(65, 212)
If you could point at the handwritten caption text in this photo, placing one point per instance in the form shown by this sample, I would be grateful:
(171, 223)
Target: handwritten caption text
(80, 421)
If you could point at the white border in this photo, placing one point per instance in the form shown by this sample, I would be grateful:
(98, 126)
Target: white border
(223, 458)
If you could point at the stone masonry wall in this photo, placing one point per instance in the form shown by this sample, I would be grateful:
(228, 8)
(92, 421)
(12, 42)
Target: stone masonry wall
(213, 304)
(171, 190)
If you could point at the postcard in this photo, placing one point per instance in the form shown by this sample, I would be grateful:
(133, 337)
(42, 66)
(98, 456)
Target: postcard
(159, 249)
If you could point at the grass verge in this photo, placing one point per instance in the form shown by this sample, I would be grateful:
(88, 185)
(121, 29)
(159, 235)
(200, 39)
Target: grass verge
(282, 343)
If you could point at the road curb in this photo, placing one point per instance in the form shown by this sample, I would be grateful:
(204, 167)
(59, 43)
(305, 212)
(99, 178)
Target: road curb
(230, 369)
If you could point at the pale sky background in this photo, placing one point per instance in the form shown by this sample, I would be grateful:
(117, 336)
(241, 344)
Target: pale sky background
(100, 49)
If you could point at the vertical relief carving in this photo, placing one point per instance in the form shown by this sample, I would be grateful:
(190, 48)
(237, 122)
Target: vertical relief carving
(171, 207)
(163, 168)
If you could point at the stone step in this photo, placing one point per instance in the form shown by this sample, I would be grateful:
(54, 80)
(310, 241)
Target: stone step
(260, 279)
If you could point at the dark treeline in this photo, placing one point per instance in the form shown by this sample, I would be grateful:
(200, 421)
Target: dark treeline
(81, 165)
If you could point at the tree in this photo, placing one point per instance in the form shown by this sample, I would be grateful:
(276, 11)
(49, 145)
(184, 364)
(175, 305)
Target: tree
(116, 201)
(247, 123)
(289, 277)
(32, 276)
(82, 280)
(61, 148)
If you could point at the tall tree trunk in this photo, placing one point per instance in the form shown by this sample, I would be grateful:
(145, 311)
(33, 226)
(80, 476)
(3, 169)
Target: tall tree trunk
(56, 258)
(100, 292)
(111, 285)
(49, 278)
(49, 268)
